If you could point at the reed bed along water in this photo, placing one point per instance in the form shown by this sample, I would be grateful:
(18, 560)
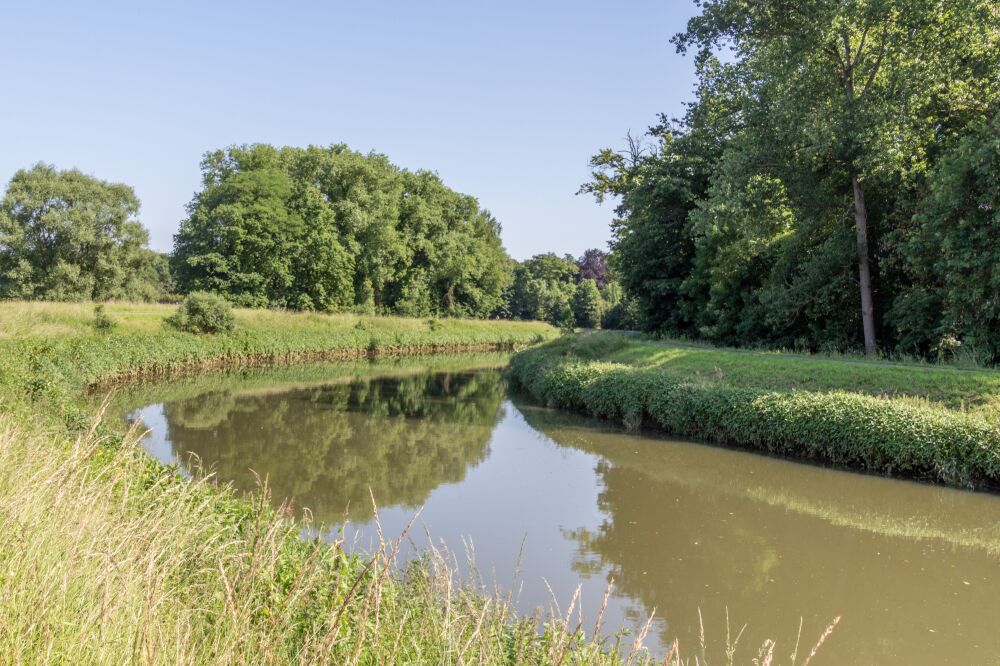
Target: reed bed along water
(111, 558)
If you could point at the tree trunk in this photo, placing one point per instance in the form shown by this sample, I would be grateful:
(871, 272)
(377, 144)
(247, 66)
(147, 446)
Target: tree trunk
(864, 268)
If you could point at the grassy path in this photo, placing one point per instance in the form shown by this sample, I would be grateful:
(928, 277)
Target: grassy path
(971, 389)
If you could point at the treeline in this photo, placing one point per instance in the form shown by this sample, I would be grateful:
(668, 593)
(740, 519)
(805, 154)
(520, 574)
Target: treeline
(569, 292)
(332, 229)
(324, 229)
(835, 185)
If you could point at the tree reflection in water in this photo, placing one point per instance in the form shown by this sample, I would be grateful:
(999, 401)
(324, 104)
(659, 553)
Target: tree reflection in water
(325, 446)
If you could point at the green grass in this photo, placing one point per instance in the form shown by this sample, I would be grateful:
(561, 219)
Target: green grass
(50, 353)
(931, 423)
(976, 390)
(110, 558)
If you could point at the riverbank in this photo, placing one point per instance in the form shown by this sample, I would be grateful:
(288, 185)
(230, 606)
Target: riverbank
(113, 558)
(932, 423)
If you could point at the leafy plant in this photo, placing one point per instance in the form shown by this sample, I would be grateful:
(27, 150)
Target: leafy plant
(102, 321)
(202, 312)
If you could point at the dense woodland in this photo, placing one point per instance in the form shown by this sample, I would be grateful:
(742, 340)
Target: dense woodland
(834, 186)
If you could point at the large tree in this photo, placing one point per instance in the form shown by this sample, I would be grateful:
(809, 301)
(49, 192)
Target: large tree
(330, 228)
(593, 265)
(65, 235)
(543, 289)
(862, 85)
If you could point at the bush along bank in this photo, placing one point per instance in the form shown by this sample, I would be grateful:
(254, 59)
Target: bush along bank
(887, 436)
(46, 367)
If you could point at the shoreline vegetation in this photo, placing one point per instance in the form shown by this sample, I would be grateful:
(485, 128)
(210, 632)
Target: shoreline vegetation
(928, 423)
(112, 557)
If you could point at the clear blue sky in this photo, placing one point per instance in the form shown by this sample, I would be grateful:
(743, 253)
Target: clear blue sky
(505, 100)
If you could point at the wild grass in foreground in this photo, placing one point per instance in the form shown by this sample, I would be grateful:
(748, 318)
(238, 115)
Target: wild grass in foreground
(839, 420)
(109, 558)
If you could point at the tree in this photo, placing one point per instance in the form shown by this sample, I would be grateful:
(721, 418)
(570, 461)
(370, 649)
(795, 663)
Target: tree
(331, 229)
(543, 289)
(239, 239)
(788, 207)
(65, 235)
(588, 306)
(652, 245)
(854, 80)
(593, 265)
(955, 251)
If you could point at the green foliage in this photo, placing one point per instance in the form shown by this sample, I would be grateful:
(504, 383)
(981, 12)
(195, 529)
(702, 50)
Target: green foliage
(623, 316)
(66, 236)
(103, 322)
(555, 289)
(836, 131)
(588, 304)
(954, 252)
(894, 437)
(203, 312)
(543, 288)
(331, 229)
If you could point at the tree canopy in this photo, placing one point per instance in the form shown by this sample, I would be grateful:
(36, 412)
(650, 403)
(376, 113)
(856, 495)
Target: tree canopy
(330, 228)
(564, 291)
(65, 235)
(786, 207)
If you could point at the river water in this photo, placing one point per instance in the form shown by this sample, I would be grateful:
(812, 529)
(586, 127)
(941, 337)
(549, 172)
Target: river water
(545, 502)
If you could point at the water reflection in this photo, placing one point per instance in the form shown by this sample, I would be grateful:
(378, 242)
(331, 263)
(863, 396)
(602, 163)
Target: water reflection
(912, 569)
(325, 446)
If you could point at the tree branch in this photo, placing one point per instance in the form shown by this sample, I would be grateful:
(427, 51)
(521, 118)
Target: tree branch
(876, 67)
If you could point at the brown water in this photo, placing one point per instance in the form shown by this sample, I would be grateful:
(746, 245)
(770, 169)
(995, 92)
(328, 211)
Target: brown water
(913, 570)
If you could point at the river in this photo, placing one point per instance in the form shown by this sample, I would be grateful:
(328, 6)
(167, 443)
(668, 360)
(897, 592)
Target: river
(542, 502)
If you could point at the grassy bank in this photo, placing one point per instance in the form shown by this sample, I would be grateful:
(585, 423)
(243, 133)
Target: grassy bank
(932, 423)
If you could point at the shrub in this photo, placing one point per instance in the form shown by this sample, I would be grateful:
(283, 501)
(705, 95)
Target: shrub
(102, 322)
(624, 315)
(202, 312)
(588, 305)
